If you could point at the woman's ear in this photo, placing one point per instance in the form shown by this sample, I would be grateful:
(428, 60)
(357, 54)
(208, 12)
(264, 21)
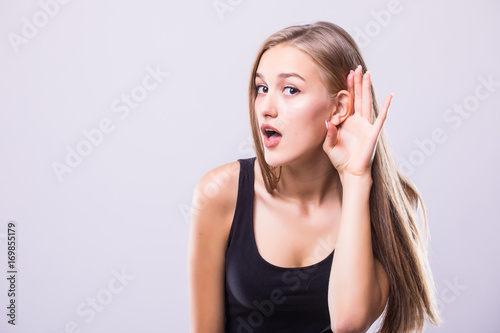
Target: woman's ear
(342, 107)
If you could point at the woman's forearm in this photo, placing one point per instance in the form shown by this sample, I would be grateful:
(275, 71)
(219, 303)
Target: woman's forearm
(353, 288)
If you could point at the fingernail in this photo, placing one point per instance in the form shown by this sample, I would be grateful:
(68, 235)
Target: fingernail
(359, 66)
(351, 71)
(326, 124)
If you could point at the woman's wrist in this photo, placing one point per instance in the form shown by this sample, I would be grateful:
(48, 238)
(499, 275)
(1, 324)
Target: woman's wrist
(354, 180)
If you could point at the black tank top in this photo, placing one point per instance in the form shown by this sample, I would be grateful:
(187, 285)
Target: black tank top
(261, 297)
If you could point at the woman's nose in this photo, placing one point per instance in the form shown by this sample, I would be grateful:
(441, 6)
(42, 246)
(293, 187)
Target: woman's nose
(267, 105)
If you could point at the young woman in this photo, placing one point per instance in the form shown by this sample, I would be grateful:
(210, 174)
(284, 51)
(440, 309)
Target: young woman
(318, 232)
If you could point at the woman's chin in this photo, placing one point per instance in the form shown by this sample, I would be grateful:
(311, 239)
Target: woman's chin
(270, 160)
(274, 160)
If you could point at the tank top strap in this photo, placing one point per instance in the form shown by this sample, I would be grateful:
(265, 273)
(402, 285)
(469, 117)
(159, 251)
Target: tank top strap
(243, 214)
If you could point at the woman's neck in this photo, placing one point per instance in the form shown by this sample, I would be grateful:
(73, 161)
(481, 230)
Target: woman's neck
(309, 181)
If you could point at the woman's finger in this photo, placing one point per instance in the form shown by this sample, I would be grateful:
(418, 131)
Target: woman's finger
(379, 122)
(350, 83)
(367, 97)
(358, 93)
(331, 137)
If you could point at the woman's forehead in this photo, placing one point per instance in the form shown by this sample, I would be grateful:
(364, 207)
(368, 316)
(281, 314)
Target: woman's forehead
(286, 59)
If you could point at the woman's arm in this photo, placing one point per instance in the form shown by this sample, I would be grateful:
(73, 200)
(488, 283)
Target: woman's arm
(359, 287)
(212, 211)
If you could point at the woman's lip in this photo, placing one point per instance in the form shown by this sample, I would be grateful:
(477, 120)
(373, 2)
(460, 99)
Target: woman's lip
(271, 141)
(263, 128)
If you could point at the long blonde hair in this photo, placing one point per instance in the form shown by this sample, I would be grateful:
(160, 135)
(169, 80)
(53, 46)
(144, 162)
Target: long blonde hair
(397, 242)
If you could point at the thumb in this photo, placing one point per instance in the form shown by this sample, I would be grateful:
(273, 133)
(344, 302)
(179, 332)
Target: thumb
(331, 136)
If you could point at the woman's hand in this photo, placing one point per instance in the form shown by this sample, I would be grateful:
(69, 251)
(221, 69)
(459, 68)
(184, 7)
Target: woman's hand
(351, 145)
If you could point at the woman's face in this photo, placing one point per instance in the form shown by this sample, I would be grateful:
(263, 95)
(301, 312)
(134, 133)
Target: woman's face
(293, 100)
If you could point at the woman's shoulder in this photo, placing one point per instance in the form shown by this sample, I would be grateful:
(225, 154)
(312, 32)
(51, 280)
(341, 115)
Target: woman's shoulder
(215, 195)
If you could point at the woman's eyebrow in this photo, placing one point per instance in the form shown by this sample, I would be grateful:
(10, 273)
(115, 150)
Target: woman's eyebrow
(282, 76)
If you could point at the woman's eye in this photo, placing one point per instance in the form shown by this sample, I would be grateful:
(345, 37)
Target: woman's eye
(291, 90)
(261, 89)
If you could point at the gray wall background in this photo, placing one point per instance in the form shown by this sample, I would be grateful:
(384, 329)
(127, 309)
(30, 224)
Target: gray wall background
(102, 246)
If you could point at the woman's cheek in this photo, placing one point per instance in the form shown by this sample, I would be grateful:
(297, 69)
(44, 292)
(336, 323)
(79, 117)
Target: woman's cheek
(300, 109)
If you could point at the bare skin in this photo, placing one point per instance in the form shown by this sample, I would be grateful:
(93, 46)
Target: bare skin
(304, 219)
(290, 233)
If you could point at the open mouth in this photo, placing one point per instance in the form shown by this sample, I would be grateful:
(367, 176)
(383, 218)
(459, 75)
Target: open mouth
(269, 131)
(271, 135)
